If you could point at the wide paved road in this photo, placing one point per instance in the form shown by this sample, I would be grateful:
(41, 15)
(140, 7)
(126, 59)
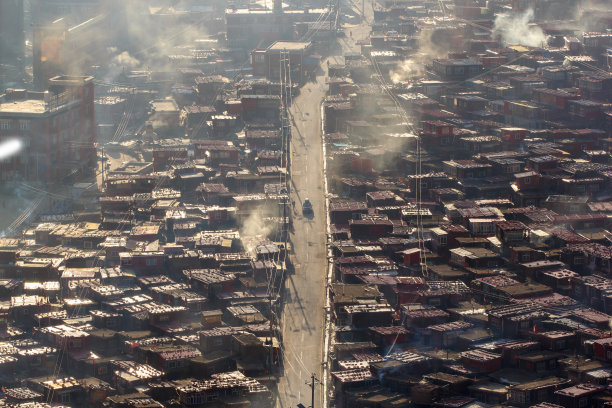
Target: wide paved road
(303, 313)
(303, 316)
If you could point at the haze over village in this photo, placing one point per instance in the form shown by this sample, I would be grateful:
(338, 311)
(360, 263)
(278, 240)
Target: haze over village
(291, 204)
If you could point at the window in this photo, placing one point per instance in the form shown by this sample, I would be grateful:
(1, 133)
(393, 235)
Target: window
(151, 262)
(443, 240)
(579, 260)
(64, 398)
(24, 125)
(5, 124)
(527, 180)
(87, 244)
(583, 402)
(525, 257)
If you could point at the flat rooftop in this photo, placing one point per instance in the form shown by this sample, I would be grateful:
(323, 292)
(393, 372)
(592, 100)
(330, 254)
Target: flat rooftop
(289, 46)
(29, 106)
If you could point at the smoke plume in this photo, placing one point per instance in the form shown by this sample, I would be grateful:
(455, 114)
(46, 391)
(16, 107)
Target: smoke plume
(125, 60)
(430, 47)
(254, 230)
(122, 62)
(516, 30)
(406, 70)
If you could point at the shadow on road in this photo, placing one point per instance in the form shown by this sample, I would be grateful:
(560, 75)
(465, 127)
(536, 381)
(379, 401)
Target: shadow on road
(297, 299)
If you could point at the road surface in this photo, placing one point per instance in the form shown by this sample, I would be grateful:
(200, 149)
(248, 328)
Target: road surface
(303, 316)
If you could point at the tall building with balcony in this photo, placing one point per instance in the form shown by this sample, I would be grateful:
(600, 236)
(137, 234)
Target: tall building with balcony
(55, 128)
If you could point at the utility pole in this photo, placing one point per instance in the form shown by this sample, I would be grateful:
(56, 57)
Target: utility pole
(103, 167)
(313, 381)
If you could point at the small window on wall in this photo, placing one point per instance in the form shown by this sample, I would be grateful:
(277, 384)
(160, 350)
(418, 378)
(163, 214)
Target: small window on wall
(5, 125)
(24, 124)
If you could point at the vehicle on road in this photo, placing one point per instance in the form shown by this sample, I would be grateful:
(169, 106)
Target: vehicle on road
(307, 207)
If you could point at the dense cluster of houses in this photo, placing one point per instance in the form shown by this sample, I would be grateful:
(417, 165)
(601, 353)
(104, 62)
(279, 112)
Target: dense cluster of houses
(156, 299)
(161, 288)
(470, 211)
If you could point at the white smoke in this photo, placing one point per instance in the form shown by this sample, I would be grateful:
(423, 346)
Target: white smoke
(516, 30)
(254, 230)
(429, 47)
(407, 70)
(125, 60)
(121, 62)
